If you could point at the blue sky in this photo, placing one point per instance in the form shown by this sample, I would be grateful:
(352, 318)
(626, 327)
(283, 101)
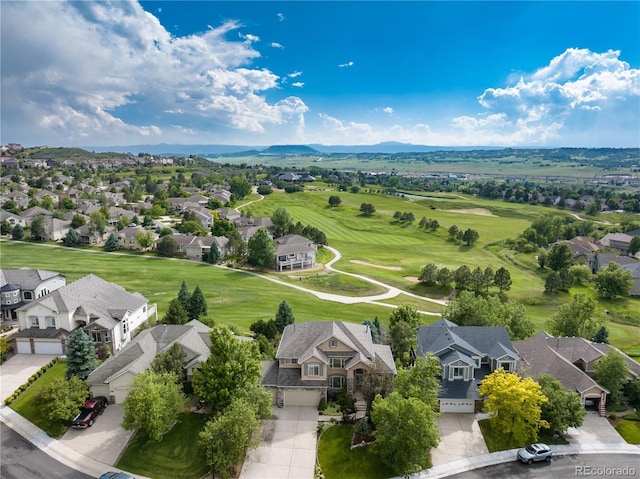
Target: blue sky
(260, 73)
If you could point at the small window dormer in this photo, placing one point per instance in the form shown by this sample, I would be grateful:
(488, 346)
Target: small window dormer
(333, 343)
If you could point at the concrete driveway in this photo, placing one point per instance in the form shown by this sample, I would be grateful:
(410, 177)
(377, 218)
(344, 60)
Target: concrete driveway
(105, 441)
(288, 448)
(594, 429)
(17, 370)
(460, 438)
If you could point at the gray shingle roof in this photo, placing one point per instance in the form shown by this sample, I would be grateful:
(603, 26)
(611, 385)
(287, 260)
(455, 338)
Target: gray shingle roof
(442, 336)
(27, 278)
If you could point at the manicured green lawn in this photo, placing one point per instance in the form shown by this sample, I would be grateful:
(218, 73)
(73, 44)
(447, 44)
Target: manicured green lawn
(175, 456)
(630, 431)
(499, 441)
(26, 406)
(338, 461)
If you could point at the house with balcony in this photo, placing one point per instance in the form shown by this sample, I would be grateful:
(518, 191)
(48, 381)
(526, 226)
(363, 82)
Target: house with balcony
(294, 252)
(317, 359)
(106, 311)
(467, 354)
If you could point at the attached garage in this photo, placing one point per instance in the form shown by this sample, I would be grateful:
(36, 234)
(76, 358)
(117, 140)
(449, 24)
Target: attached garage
(457, 405)
(302, 397)
(46, 347)
(23, 347)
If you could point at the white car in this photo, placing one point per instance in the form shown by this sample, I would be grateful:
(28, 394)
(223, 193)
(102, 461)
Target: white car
(534, 453)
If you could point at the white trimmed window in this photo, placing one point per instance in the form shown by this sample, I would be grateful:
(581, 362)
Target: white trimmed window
(51, 321)
(313, 369)
(27, 295)
(336, 382)
(125, 326)
(505, 365)
(337, 363)
(333, 343)
(34, 321)
(288, 361)
(458, 373)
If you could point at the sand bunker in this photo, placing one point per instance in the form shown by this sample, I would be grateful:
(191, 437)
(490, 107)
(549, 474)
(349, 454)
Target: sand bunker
(473, 211)
(364, 263)
(413, 279)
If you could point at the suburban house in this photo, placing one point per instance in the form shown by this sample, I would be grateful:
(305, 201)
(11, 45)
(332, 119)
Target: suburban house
(113, 378)
(572, 361)
(619, 241)
(106, 311)
(228, 214)
(294, 251)
(194, 247)
(295, 177)
(318, 358)
(21, 286)
(127, 237)
(12, 219)
(602, 260)
(467, 354)
(635, 275)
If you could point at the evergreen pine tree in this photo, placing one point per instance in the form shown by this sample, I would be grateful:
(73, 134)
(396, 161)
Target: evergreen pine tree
(112, 243)
(197, 304)
(72, 238)
(213, 256)
(176, 313)
(184, 296)
(81, 355)
(284, 316)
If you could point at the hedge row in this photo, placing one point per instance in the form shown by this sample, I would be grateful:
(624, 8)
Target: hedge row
(31, 380)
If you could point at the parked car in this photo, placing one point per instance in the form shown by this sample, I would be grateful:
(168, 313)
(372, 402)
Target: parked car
(89, 411)
(534, 453)
(116, 475)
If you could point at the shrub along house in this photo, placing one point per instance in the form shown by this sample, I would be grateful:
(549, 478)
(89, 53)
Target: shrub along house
(316, 358)
(467, 354)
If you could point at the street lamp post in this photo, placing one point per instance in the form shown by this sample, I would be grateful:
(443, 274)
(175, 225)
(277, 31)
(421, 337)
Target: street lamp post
(213, 474)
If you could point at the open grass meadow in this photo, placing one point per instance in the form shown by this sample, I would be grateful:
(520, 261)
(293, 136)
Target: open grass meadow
(233, 297)
(25, 404)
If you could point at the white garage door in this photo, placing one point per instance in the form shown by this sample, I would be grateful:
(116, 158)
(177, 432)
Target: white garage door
(23, 347)
(301, 397)
(120, 394)
(48, 348)
(457, 405)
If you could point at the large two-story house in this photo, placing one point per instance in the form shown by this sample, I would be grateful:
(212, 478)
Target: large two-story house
(316, 358)
(107, 312)
(21, 286)
(294, 251)
(467, 354)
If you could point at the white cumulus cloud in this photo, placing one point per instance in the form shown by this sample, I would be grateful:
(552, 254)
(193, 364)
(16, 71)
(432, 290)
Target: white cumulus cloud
(277, 45)
(297, 84)
(344, 65)
(109, 72)
(387, 109)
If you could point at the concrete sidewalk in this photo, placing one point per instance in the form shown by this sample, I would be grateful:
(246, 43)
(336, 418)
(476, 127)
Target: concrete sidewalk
(53, 447)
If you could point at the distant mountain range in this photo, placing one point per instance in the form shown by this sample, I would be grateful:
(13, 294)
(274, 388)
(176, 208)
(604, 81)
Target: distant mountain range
(221, 150)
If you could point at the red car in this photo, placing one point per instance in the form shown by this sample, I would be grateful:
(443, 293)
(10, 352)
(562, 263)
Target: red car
(89, 411)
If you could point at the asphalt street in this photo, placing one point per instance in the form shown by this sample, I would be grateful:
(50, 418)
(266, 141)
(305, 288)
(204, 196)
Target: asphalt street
(22, 460)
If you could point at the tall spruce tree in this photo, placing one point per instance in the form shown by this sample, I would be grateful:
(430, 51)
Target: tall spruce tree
(81, 355)
(112, 243)
(284, 316)
(184, 296)
(197, 304)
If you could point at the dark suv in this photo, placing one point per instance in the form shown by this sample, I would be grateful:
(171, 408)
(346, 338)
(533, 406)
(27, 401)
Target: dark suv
(89, 411)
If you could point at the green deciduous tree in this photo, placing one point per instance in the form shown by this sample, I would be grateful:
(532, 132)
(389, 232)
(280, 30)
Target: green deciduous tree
(78, 220)
(403, 336)
(563, 408)
(444, 277)
(239, 186)
(461, 277)
(634, 245)
(405, 430)
(170, 361)
(261, 249)
(334, 201)
(227, 437)
(407, 313)
(284, 316)
(281, 222)
(60, 400)
(613, 281)
(153, 403)
(167, 246)
(470, 236)
(429, 274)
(559, 257)
(81, 355)
(514, 405)
(376, 381)
(502, 279)
(144, 239)
(579, 317)
(420, 381)
(367, 209)
(232, 365)
(612, 372)
(38, 230)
